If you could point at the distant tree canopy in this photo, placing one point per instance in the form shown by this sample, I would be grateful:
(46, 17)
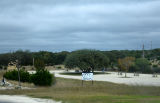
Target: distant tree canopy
(114, 55)
(55, 58)
(86, 60)
(143, 65)
(39, 64)
(50, 58)
(26, 57)
(5, 59)
(125, 63)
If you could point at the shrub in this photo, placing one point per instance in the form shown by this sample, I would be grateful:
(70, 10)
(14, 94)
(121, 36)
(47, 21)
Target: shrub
(59, 67)
(25, 76)
(43, 78)
(13, 75)
(40, 78)
(155, 66)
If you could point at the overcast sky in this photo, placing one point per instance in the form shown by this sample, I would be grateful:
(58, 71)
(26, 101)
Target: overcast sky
(67, 25)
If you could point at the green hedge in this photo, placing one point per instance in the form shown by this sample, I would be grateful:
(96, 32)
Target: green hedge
(43, 78)
(13, 75)
(40, 78)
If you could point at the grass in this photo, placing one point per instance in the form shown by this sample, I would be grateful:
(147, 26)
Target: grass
(79, 73)
(71, 91)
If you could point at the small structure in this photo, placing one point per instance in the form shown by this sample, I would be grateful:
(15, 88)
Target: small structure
(87, 76)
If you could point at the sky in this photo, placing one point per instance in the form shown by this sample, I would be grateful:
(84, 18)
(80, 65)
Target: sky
(68, 25)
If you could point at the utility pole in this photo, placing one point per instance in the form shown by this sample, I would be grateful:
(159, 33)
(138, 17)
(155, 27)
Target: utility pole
(151, 51)
(151, 45)
(143, 51)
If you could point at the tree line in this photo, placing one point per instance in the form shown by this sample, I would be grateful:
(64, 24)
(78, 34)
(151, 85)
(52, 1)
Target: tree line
(26, 58)
(90, 59)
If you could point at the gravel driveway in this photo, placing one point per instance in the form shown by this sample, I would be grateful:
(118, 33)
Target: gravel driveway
(142, 79)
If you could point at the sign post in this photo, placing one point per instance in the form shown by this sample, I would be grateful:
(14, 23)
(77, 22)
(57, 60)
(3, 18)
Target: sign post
(87, 77)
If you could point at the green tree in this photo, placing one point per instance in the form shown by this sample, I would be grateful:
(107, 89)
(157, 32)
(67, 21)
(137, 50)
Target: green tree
(39, 64)
(45, 56)
(60, 57)
(143, 65)
(133, 68)
(87, 60)
(125, 63)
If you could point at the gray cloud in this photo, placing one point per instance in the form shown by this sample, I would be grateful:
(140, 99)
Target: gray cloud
(58, 25)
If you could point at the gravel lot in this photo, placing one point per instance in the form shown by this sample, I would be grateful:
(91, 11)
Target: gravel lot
(142, 79)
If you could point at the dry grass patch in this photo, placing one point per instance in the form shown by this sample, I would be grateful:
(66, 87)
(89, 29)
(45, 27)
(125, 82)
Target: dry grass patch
(71, 91)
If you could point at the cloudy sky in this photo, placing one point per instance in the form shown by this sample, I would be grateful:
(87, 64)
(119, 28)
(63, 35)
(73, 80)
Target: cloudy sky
(58, 25)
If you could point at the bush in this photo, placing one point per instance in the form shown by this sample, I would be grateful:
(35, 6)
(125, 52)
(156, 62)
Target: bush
(59, 67)
(13, 75)
(155, 66)
(43, 78)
